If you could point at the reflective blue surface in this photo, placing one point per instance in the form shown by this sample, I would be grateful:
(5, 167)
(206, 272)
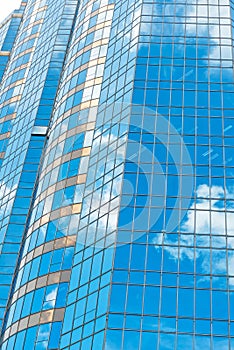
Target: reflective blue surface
(127, 220)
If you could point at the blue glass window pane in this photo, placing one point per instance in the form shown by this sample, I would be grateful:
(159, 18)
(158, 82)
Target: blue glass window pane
(55, 335)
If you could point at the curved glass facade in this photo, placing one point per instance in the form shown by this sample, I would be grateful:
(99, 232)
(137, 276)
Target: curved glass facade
(116, 141)
(35, 67)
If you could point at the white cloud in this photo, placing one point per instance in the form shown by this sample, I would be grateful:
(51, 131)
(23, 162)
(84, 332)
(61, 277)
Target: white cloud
(207, 215)
(203, 19)
(6, 199)
(7, 7)
(51, 298)
(198, 17)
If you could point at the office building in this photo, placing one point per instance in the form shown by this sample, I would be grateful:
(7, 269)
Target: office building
(117, 193)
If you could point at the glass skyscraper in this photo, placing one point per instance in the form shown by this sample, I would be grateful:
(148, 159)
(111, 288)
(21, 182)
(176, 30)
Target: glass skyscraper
(117, 175)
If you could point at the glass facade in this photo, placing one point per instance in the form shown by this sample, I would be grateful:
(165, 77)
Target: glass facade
(117, 200)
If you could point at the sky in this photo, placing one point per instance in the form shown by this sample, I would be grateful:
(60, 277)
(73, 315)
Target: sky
(7, 6)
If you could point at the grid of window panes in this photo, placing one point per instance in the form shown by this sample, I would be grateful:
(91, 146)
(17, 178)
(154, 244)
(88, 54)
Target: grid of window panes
(4, 26)
(91, 271)
(130, 240)
(73, 123)
(173, 271)
(49, 39)
(53, 225)
(8, 32)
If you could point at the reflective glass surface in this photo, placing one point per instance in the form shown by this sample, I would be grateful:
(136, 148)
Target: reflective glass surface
(116, 170)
